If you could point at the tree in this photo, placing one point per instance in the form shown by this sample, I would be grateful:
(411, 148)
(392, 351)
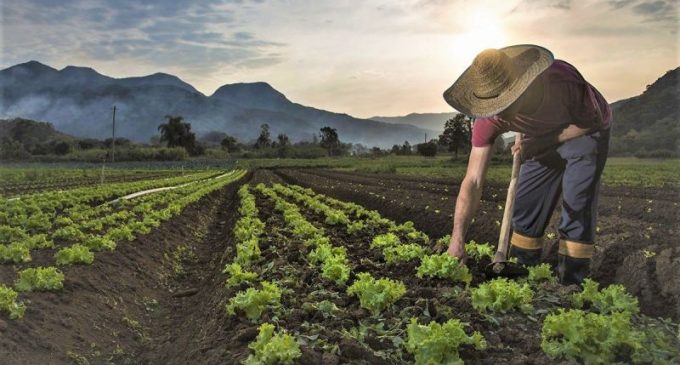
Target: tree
(283, 140)
(230, 144)
(427, 149)
(176, 133)
(395, 149)
(456, 134)
(330, 140)
(264, 140)
(406, 149)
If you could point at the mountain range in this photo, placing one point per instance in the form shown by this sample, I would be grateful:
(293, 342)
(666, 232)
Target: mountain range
(433, 121)
(79, 101)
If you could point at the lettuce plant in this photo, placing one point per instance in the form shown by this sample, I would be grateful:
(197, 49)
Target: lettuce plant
(376, 295)
(444, 266)
(273, 348)
(9, 304)
(253, 302)
(39, 279)
(477, 251)
(406, 252)
(613, 298)
(237, 275)
(74, 254)
(539, 273)
(336, 269)
(502, 295)
(385, 240)
(439, 343)
(590, 338)
(15, 252)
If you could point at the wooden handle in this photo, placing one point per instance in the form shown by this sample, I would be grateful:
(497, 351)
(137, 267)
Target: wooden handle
(504, 237)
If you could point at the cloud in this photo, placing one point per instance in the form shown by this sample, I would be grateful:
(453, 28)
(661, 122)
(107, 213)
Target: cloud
(182, 34)
(657, 10)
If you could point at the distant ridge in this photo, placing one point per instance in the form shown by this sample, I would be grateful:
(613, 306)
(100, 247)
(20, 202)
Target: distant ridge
(78, 101)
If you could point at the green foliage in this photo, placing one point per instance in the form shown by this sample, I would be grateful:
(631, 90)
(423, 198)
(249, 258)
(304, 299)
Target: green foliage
(444, 266)
(120, 234)
(253, 302)
(477, 251)
(11, 234)
(439, 343)
(385, 240)
(15, 252)
(593, 338)
(612, 299)
(273, 348)
(376, 295)
(325, 251)
(9, 304)
(99, 243)
(336, 270)
(539, 273)
(334, 217)
(356, 226)
(247, 251)
(399, 253)
(40, 279)
(74, 254)
(69, 233)
(502, 295)
(237, 275)
(38, 241)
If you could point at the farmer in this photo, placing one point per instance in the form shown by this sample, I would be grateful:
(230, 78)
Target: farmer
(565, 122)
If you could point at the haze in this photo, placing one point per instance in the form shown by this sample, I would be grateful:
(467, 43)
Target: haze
(363, 58)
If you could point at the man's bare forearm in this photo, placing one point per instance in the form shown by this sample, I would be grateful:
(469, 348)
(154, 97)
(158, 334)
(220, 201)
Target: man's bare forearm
(466, 207)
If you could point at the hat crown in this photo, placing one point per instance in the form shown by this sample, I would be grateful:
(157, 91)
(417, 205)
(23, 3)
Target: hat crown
(496, 72)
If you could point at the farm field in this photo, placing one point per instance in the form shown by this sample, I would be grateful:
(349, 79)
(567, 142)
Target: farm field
(340, 265)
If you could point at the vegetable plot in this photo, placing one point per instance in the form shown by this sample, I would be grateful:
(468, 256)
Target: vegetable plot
(71, 227)
(330, 281)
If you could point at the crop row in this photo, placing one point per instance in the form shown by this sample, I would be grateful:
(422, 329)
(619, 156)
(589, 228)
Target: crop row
(75, 238)
(579, 333)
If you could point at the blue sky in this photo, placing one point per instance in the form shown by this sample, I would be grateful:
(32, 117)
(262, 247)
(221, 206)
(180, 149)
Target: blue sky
(364, 58)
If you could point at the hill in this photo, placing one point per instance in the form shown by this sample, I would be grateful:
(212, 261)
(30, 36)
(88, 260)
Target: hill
(433, 121)
(78, 101)
(649, 124)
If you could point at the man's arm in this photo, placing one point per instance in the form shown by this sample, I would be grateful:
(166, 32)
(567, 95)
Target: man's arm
(468, 198)
(534, 146)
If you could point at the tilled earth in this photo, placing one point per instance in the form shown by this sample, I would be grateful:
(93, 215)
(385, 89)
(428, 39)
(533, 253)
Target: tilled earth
(638, 242)
(160, 299)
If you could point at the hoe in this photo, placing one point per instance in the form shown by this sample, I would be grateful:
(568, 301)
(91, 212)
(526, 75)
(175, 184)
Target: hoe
(500, 265)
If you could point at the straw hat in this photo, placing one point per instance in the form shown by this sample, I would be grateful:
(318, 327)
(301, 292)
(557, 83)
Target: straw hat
(496, 78)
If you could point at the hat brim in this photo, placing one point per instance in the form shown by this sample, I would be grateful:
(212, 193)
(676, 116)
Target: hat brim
(530, 61)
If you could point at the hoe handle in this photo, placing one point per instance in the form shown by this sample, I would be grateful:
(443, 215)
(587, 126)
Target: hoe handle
(504, 238)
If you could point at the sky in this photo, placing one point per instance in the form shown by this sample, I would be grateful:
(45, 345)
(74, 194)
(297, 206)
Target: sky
(364, 58)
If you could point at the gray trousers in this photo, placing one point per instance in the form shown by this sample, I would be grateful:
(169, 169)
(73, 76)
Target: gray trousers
(572, 170)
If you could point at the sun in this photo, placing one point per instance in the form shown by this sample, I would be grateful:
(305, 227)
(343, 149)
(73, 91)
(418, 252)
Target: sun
(483, 30)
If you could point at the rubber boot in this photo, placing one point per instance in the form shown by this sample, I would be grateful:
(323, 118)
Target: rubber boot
(572, 270)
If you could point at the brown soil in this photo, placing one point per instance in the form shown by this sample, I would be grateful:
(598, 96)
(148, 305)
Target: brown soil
(634, 224)
(160, 299)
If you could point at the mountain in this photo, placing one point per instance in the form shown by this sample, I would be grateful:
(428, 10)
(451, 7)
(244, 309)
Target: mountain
(433, 121)
(649, 124)
(78, 101)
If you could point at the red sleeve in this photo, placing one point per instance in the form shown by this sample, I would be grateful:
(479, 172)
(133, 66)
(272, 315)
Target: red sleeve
(485, 131)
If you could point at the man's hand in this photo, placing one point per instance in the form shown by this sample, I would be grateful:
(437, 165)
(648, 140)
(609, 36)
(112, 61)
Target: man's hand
(457, 249)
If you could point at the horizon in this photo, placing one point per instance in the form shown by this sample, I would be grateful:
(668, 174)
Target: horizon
(212, 43)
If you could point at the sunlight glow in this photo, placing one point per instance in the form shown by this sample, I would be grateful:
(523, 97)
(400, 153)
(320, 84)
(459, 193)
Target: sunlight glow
(484, 30)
